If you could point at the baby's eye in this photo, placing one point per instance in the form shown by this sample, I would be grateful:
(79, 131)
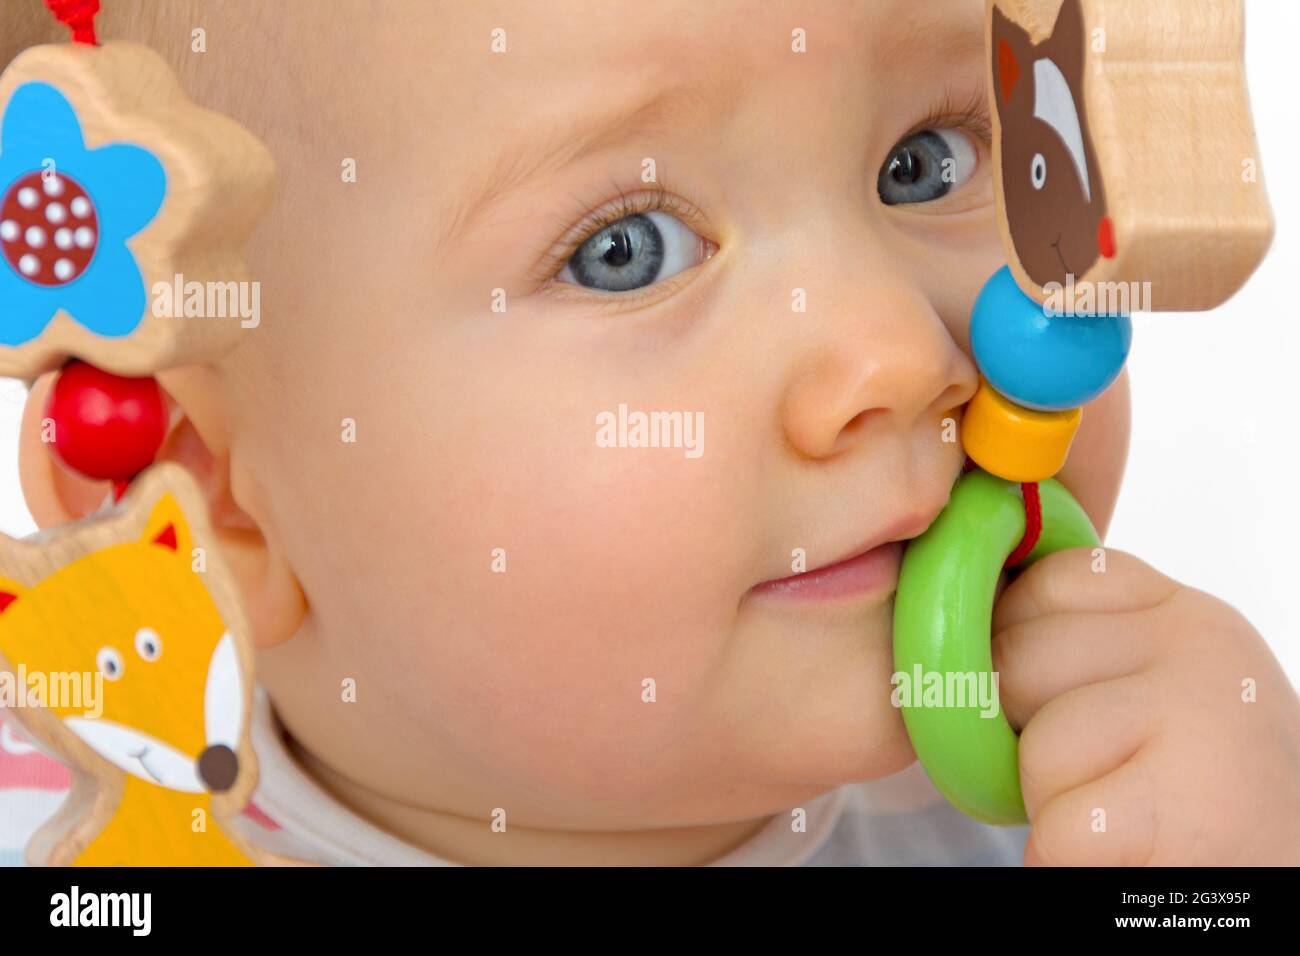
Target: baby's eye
(634, 252)
(926, 166)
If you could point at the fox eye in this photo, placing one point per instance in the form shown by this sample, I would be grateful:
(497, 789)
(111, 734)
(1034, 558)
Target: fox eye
(926, 166)
(1038, 171)
(148, 644)
(109, 662)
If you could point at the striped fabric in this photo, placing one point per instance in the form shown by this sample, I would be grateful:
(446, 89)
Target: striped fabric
(31, 788)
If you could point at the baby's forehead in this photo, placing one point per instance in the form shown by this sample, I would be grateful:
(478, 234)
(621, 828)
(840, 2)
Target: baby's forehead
(552, 82)
(613, 38)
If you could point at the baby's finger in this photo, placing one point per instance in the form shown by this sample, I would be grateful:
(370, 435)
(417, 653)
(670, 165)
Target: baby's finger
(1081, 579)
(1045, 657)
(1109, 822)
(1082, 736)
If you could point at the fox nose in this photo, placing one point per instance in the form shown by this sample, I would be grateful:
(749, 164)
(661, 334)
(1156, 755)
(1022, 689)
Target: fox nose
(218, 768)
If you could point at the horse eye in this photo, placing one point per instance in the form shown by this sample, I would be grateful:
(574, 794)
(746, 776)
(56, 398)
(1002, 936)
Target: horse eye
(1038, 171)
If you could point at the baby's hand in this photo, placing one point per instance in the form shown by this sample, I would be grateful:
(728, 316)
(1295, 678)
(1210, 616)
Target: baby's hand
(1156, 725)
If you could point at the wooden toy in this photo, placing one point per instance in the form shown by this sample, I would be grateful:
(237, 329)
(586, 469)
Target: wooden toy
(1127, 178)
(113, 185)
(125, 629)
(1013, 442)
(107, 428)
(1125, 148)
(132, 628)
(1047, 362)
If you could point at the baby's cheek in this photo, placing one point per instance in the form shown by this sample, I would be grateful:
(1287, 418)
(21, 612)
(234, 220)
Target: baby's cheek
(616, 601)
(553, 603)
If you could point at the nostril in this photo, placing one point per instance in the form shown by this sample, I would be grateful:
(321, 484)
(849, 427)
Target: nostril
(856, 423)
(218, 768)
(956, 396)
(850, 431)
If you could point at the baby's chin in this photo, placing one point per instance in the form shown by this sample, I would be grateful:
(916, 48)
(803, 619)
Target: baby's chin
(826, 716)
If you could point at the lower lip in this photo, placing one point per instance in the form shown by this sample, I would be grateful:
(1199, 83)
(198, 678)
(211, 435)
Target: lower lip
(871, 572)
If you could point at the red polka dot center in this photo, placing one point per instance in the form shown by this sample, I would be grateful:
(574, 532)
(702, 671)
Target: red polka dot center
(49, 228)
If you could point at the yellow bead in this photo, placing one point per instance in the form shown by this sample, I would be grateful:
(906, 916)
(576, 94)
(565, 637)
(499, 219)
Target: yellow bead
(1013, 442)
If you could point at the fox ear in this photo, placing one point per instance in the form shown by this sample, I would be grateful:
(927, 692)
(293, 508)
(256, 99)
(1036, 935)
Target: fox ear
(168, 528)
(10, 590)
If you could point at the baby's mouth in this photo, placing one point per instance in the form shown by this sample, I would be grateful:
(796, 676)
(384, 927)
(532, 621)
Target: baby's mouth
(873, 572)
(868, 572)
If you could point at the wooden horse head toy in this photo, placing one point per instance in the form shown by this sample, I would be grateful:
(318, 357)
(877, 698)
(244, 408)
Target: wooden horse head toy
(1123, 136)
(112, 181)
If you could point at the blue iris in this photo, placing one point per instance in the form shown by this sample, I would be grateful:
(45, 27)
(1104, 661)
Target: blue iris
(125, 183)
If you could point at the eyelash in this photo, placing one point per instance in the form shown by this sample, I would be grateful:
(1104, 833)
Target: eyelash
(653, 197)
(971, 115)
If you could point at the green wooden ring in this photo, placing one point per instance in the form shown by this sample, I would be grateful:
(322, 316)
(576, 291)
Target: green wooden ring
(943, 614)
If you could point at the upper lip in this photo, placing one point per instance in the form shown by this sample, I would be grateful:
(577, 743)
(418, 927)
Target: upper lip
(906, 528)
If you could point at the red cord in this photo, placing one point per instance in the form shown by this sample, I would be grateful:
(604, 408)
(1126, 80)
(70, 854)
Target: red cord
(1033, 524)
(1033, 517)
(78, 16)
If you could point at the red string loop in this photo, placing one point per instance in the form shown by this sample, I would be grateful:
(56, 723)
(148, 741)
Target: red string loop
(1033, 517)
(78, 16)
(1033, 524)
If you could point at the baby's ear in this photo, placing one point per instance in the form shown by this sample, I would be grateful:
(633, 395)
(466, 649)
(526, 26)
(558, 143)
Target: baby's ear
(10, 591)
(168, 528)
(200, 443)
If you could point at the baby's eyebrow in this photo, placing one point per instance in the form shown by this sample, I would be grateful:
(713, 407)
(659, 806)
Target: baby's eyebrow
(927, 43)
(558, 143)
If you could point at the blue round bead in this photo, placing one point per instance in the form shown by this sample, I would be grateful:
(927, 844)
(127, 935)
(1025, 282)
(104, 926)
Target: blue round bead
(1039, 360)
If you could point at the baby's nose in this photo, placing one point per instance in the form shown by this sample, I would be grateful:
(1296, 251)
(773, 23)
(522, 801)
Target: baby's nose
(218, 768)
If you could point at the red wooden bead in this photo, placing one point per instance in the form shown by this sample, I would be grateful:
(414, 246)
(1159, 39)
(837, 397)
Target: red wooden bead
(106, 427)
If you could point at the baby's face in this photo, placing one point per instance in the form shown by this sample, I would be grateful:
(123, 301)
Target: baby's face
(659, 207)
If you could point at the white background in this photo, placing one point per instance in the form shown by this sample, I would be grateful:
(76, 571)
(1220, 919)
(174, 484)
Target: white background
(1209, 497)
